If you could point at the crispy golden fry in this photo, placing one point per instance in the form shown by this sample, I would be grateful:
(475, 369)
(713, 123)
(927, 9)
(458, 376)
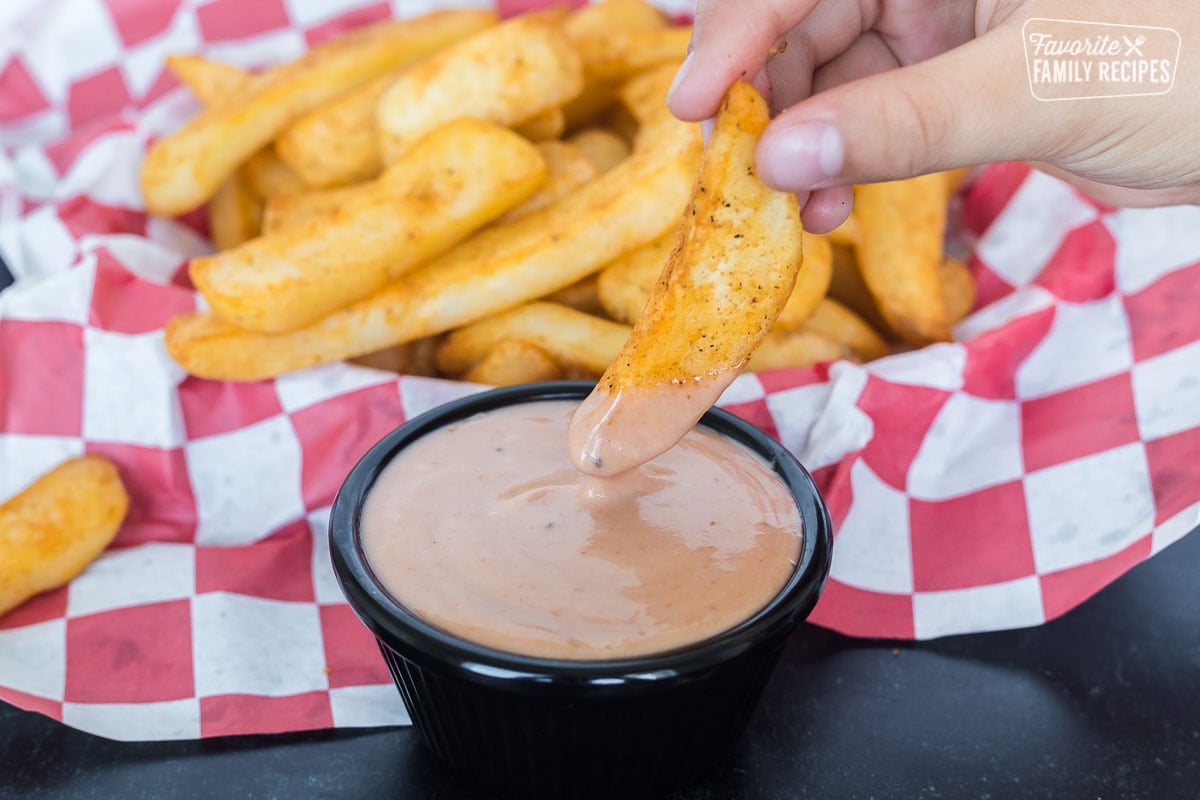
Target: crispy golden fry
(497, 269)
(582, 296)
(625, 285)
(210, 81)
(544, 127)
(954, 180)
(505, 74)
(958, 289)
(899, 252)
(620, 121)
(847, 287)
(186, 168)
(454, 181)
(235, 214)
(51, 531)
(512, 362)
(626, 53)
(602, 147)
(846, 234)
(722, 290)
(812, 282)
(589, 106)
(797, 348)
(337, 143)
(837, 323)
(566, 170)
(645, 95)
(285, 211)
(570, 337)
(268, 176)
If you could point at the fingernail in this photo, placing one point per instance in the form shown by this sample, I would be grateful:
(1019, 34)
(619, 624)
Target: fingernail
(680, 76)
(706, 129)
(803, 156)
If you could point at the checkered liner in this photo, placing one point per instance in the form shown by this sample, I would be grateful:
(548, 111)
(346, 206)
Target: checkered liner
(988, 484)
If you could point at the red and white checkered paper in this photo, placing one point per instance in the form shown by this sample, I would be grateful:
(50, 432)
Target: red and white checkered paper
(988, 484)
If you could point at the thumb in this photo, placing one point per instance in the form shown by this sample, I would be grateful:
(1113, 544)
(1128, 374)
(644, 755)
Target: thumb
(970, 105)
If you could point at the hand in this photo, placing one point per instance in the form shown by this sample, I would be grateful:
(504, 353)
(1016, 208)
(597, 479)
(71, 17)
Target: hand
(875, 90)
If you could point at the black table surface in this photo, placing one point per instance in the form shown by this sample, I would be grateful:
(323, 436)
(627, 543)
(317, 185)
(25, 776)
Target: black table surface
(1102, 703)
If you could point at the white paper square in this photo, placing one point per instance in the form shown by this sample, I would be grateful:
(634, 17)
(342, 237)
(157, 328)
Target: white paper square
(938, 366)
(310, 386)
(177, 237)
(744, 389)
(418, 395)
(144, 258)
(248, 645)
(260, 51)
(1013, 604)
(1089, 508)
(972, 444)
(367, 706)
(164, 572)
(872, 548)
(1152, 242)
(1020, 303)
(64, 47)
(129, 390)
(1166, 392)
(1086, 342)
(143, 62)
(326, 588)
(40, 246)
(246, 482)
(33, 659)
(107, 171)
(23, 459)
(1031, 228)
(170, 720)
(821, 423)
(1174, 529)
(308, 13)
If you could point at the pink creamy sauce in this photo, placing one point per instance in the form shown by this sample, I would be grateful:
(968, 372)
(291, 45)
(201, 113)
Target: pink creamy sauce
(486, 530)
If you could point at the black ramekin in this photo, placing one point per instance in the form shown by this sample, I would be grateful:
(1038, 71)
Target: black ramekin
(530, 727)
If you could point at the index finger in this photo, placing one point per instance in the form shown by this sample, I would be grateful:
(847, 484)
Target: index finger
(731, 40)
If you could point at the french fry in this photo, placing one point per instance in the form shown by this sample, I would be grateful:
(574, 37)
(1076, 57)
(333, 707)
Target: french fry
(499, 268)
(283, 211)
(235, 214)
(543, 127)
(722, 290)
(582, 296)
(847, 287)
(567, 168)
(899, 251)
(505, 74)
(958, 289)
(186, 168)
(837, 323)
(57, 526)
(625, 285)
(645, 95)
(627, 53)
(570, 337)
(513, 362)
(210, 81)
(797, 348)
(454, 181)
(846, 234)
(602, 147)
(268, 176)
(389, 359)
(812, 282)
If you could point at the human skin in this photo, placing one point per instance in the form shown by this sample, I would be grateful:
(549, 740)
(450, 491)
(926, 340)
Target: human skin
(875, 90)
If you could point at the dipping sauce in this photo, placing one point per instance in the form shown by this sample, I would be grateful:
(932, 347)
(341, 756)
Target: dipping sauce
(486, 530)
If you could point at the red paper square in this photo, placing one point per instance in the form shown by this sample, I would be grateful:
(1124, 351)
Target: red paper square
(124, 303)
(20, 95)
(860, 612)
(335, 433)
(137, 22)
(1078, 422)
(233, 714)
(139, 654)
(41, 378)
(902, 414)
(101, 95)
(776, 380)
(355, 18)
(237, 19)
(83, 215)
(164, 83)
(1082, 268)
(976, 539)
(351, 655)
(756, 413)
(1174, 472)
(1062, 591)
(836, 487)
(32, 702)
(1166, 314)
(162, 507)
(277, 568)
(212, 407)
(989, 286)
(987, 198)
(39, 608)
(511, 8)
(994, 357)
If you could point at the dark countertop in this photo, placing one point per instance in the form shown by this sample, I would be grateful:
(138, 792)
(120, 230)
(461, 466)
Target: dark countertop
(1103, 703)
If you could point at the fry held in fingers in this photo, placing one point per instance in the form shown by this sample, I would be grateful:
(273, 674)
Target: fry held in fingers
(57, 526)
(453, 182)
(722, 290)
